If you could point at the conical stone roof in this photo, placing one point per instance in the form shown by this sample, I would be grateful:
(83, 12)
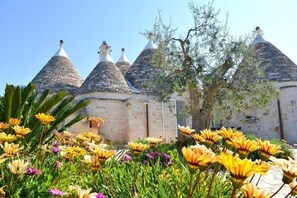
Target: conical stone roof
(106, 76)
(143, 71)
(58, 74)
(278, 67)
(123, 63)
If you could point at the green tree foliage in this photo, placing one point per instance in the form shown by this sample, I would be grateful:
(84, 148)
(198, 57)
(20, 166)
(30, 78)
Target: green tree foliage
(213, 67)
(25, 103)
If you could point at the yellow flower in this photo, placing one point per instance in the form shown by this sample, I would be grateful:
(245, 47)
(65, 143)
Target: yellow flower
(137, 148)
(198, 156)
(82, 140)
(244, 146)
(154, 141)
(2, 192)
(102, 154)
(96, 138)
(3, 126)
(18, 166)
(293, 186)
(208, 137)
(229, 134)
(21, 131)
(249, 190)
(7, 137)
(3, 158)
(14, 121)
(268, 149)
(186, 131)
(93, 161)
(45, 118)
(82, 193)
(11, 149)
(239, 169)
(72, 152)
(289, 168)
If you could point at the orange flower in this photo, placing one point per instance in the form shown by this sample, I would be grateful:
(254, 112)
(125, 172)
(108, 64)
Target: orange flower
(186, 131)
(208, 137)
(3, 126)
(21, 131)
(45, 118)
(137, 148)
(154, 141)
(198, 156)
(228, 135)
(268, 149)
(102, 154)
(14, 121)
(239, 169)
(249, 190)
(244, 146)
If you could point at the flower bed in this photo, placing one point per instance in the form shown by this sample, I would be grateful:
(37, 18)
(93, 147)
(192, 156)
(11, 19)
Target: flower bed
(218, 163)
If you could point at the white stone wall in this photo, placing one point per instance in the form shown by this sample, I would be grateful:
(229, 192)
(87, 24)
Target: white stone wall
(130, 116)
(265, 122)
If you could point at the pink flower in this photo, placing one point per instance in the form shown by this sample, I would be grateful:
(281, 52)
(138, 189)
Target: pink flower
(55, 192)
(100, 195)
(33, 171)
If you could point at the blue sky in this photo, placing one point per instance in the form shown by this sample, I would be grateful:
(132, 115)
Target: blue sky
(30, 30)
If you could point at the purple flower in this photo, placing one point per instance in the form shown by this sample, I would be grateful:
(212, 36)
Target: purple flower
(126, 157)
(55, 192)
(167, 160)
(33, 171)
(55, 150)
(100, 195)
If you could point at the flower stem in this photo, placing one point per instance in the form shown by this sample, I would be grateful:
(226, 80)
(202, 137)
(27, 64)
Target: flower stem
(278, 190)
(190, 184)
(291, 191)
(233, 192)
(211, 181)
(258, 180)
(106, 182)
(196, 182)
(134, 178)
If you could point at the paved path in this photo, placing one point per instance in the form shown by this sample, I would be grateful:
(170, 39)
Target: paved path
(273, 180)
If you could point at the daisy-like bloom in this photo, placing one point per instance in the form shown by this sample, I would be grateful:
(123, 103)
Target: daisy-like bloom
(14, 121)
(289, 168)
(249, 190)
(21, 131)
(92, 136)
(81, 140)
(186, 131)
(198, 156)
(244, 146)
(2, 192)
(154, 141)
(18, 166)
(82, 193)
(293, 186)
(45, 118)
(7, 137)
(72, 152)
(93, 161)
(228, 135)
(208, 137)
(102, 154)
(268, 149)
(239, 169)
(137, 148)
(3, 126)
(56, 192)
(11, 149)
